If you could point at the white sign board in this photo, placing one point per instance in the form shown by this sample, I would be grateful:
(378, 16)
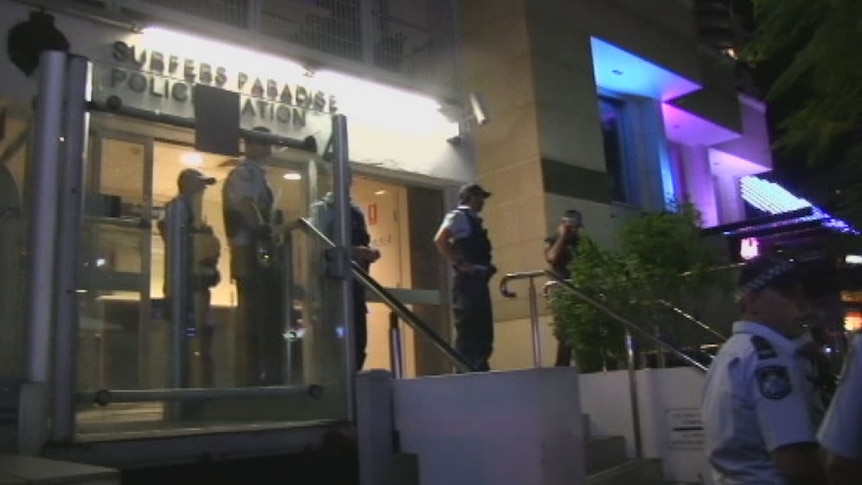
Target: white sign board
(684, 429)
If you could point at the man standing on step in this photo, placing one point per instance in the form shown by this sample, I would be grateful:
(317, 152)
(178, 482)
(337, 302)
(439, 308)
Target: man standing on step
(758, 408)
(464, 243)
(559, 253)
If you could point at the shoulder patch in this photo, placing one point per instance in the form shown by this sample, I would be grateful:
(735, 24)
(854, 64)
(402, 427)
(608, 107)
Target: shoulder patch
(764, 349)
(773, 381)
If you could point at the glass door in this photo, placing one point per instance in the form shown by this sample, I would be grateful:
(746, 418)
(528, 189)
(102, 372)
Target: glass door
(114, 291)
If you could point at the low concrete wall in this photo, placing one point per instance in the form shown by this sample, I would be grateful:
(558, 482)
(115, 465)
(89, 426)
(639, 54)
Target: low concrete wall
(669, 406)
(495, 428)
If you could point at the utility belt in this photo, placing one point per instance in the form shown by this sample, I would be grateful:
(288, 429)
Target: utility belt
(479, 271)
(250, 259)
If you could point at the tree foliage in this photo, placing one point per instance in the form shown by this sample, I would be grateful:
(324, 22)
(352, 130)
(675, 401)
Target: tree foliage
(659, 256)
(818, 42)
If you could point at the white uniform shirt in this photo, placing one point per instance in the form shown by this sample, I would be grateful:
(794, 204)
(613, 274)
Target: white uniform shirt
(841, 432)
(756, 399)
(457, 223)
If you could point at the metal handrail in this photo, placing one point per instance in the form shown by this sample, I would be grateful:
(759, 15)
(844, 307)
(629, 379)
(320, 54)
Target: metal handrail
(691, 318)
(534, 307)
(546, 288)
(629, 325)
(393, 303)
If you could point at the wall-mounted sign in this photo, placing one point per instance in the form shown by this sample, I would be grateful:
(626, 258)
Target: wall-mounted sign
(161, 81)
(684, 429)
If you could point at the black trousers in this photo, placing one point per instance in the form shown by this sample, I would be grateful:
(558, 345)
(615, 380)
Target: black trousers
(474, 322)
(261, 347)
(360, 325)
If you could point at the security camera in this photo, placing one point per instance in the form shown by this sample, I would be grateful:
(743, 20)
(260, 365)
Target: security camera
(477, 105)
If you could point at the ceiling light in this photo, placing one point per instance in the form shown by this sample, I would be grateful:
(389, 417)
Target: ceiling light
(380, 192)
(192, 159)
(292, 176)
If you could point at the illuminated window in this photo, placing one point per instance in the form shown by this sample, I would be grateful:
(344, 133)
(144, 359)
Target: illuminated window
(853, 321)
(617, 160)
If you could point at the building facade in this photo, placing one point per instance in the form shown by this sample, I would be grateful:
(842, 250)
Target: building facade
(609, 107)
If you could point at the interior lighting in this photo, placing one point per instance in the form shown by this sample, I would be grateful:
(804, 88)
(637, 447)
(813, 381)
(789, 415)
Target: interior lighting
(192, 159)
(853, 259)
(292, 176)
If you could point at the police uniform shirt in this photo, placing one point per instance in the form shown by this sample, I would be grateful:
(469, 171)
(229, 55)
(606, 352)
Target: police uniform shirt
(841, 433)
(754, 401)
(247, 180)
(457, 223)
(323, 218)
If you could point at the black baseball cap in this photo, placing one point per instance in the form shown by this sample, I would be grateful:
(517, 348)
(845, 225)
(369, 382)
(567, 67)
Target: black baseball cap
(192, 175)
(473, 190)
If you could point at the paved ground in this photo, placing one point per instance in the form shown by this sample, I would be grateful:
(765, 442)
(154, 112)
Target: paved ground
(334, 464)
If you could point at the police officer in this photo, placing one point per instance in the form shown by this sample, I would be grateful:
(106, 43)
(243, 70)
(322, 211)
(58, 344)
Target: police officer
(323, 217)
(757, 407)
(841, 432)
(464, 243)
(248, 215)
(559, 253)
(202, 248)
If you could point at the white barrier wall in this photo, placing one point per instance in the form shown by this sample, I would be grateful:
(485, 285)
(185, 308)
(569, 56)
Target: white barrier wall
(669, 404)
(495, 428)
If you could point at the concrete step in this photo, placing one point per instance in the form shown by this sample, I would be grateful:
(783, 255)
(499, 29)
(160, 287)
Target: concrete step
(642, 472)
(17, 469)
(603, 452)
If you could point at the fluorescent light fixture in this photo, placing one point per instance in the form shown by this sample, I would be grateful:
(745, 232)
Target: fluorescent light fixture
(292, 176)
(853, 259)
(774, 199)
(380, 192)
(192, 159)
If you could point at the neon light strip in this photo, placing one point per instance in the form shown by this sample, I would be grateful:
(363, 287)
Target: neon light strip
(774, 199)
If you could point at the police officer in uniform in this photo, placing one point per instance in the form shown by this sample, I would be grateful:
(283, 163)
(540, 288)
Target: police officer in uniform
(248, 215)
(559, 253)
(464, 243)
(757, 405)
(841, 432)
(323, 217)
(184, 213)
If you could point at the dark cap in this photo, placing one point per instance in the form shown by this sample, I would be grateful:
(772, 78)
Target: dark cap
(767, 272)
(575, 216)
(473, 190)
(192, 175)
(253, 139)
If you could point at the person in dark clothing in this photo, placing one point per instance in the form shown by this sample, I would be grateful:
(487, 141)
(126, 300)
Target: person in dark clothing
(322, 216)
(559, 252)
(464, 243)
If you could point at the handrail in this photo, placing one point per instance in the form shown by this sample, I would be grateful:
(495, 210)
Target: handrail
(621, 319)
(691, 318)
(679, 311)
(393, 303)
(534, 307)
(504, 281)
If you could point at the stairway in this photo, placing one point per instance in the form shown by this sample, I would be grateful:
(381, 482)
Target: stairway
(607, 464)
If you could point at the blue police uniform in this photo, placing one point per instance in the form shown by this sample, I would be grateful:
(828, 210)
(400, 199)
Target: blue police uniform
(756, 400)
(841, 432)
(322, 216)
(260, 290)
(471, 298)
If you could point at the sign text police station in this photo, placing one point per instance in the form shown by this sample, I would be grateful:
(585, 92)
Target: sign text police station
(168, 79)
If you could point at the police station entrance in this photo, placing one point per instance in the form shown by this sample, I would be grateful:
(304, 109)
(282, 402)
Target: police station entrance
(135, 170)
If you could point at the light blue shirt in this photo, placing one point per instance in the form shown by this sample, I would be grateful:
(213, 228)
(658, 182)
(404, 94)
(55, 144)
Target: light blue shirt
(457, 223)
(841, 433)
(247, 181)
(756, 399)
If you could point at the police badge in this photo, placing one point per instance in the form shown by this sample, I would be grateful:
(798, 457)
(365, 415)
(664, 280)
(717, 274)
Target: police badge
(774, 381)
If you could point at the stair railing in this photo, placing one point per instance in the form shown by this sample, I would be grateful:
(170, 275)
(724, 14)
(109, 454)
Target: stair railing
(534, 306)
(397, 307)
